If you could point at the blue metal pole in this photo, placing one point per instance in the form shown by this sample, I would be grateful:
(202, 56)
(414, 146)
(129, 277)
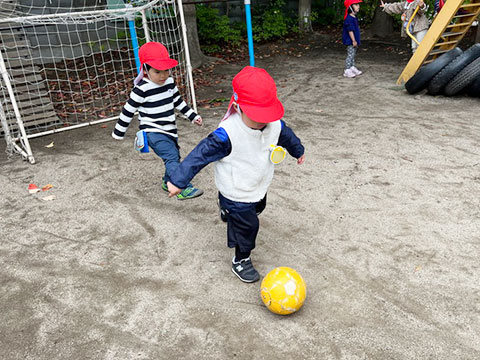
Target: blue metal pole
(133, 36)
(249, 32)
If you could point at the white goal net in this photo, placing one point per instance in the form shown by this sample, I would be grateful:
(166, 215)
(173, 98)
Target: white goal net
(67, 64)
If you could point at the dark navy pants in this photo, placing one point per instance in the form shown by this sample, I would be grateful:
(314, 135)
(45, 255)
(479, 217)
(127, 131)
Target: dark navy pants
(166, 147)
(242, 222)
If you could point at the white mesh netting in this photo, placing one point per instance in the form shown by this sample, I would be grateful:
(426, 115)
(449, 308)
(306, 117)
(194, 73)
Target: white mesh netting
(72, 64)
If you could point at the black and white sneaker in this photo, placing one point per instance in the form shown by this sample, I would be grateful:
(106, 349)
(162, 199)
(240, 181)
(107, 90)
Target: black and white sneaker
(245, 271)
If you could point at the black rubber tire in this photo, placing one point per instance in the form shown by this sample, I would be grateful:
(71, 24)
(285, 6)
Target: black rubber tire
(474, 88)
(421, 79)
(439, 81)
(463, 78)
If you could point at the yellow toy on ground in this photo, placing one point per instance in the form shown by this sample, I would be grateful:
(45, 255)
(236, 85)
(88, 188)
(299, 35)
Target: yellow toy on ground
(283, 291)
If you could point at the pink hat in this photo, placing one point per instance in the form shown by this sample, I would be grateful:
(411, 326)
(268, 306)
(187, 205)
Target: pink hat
(255, 92)
(156, 55)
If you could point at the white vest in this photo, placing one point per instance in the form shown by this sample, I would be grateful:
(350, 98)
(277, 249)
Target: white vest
(246, 173)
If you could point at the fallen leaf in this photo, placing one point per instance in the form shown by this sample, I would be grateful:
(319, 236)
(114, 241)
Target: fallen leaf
(47, 187)
(220, 99)
(49, 198)
(103, 126)
(50, 145)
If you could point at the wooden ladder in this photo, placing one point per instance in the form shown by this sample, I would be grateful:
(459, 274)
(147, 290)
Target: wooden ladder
(449, 27)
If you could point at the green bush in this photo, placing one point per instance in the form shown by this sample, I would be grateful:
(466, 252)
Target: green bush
(327, 12)
(215, 30)
(272, 21)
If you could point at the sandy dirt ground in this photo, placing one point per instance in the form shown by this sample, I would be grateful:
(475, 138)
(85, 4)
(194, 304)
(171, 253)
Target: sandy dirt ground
(382, 221)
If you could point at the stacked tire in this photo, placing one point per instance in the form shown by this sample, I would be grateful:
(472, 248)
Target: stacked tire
(453, 73)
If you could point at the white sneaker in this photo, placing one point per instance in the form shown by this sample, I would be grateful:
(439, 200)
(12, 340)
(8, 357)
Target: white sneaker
(355, 71)
(349, 73)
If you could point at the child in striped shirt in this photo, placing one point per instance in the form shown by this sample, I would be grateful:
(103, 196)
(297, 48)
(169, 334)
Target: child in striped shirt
(156, 96)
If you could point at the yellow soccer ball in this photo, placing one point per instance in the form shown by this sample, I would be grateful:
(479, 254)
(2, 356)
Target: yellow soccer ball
(283, 291)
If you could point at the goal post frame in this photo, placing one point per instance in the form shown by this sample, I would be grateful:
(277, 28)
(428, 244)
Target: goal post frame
(18, 141)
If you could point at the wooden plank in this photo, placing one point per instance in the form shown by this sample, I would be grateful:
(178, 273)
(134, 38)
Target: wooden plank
(6, 26)
(38, 118)
(53, 121)
(440, 51)
(28, 102)
(31, 68)
(27, 97)
(14, 63)
(30, 97)
(39, 101)
(18, 88)
(452, 33)
(20, 78)
(16, 51)
(458, 24)
(13, 40)
(32, 109)
(445, 43)
(463, 15)
(474, 5)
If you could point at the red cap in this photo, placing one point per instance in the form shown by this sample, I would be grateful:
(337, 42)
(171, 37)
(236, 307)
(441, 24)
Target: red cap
(349, 3)
(156, 55)
(255, 92)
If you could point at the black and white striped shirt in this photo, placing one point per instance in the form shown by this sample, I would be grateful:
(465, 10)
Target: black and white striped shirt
(155, 105)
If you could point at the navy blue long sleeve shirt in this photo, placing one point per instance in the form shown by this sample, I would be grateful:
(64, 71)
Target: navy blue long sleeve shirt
(350, 24)
(217, 145)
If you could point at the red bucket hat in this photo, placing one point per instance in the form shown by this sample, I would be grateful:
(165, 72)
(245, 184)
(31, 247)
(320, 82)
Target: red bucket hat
(156, 55)
(255, 92)
(349, 3)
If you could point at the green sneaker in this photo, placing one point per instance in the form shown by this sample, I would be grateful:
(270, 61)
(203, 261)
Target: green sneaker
(189, 193)
(164, 186)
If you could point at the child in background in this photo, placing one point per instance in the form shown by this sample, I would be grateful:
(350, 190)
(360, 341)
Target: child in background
(418, 26)
(351, 36)
(155, 96)
(438, 4)
(240, 148)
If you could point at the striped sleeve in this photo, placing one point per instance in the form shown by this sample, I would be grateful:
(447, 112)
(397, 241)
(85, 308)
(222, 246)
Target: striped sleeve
(137, 97)
(182, 106)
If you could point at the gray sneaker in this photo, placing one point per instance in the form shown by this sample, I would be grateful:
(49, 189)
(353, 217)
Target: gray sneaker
(245, 271)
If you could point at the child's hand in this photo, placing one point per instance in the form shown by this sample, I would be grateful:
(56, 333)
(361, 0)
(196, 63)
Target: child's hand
(301, 160)
(198, 121)
(421, 3)
(382, 4)
(172, 189)
(354, 43)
